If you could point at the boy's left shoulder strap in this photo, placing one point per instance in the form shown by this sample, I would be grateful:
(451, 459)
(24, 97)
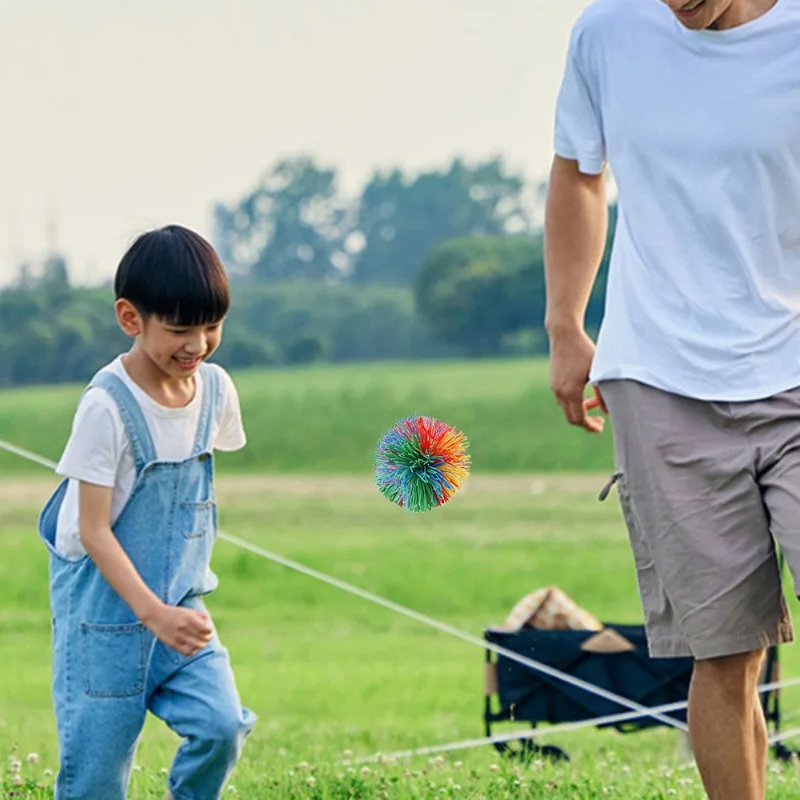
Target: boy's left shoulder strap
(209, 374)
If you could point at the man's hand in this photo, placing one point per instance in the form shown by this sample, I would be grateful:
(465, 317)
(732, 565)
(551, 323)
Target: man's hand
(183, 629)
(570, 362)
(576, 225)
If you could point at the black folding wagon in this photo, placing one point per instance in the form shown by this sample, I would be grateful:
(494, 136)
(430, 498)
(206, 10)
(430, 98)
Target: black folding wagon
(518, 693)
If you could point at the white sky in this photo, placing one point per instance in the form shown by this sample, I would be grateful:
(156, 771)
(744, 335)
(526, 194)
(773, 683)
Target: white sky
(118, 116)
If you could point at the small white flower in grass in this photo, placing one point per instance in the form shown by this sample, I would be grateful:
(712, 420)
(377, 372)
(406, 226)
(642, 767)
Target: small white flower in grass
(164, 771)
(232, 790)
(311, 780)
(137, 767)
(18, 780)
(365, 771)
(48, 773)
(456, 787)
(347, 754)
(494, 768)
(671, 792)
(15, 766)
(303, 766)
(625, 769)
(33, 758)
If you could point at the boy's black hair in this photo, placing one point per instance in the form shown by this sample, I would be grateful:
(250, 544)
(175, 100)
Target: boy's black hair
(173, 273)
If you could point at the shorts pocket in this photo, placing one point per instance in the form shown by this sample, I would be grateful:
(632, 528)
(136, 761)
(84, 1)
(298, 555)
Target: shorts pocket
(199, 519)
(114, 658)
(649, 584)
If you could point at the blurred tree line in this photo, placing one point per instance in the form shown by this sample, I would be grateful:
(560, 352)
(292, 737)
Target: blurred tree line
(446, 262)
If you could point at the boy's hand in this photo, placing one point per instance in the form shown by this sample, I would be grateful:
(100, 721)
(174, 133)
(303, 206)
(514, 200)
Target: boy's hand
(183, 629)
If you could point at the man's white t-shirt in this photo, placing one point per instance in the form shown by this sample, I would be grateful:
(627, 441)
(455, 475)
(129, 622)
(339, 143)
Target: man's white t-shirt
(702, 132)
(98, 450)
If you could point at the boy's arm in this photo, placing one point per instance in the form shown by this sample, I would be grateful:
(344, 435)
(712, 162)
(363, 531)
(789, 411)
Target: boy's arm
(231, 434)
(94, 504)
(185, 630)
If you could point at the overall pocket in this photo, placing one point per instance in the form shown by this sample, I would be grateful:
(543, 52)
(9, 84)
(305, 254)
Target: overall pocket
(199, 519)
(114, 659)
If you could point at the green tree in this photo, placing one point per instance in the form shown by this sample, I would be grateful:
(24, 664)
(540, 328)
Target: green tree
(292, 226)
(472, 293)
(400, 219)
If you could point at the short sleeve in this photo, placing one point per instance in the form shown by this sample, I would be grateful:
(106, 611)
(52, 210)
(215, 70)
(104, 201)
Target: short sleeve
(230, 433)
(96, 442)
(579, 124)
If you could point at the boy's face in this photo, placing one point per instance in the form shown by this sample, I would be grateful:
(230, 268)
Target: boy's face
(175, 349)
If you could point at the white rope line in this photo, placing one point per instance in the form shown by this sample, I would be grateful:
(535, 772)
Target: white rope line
(455, 632)
(638, 712)
(441, 626)
(565, 727)
(415, 615)
(27, 454)
(783, 735)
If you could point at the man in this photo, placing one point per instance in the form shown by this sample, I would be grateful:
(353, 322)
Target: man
(695, 106)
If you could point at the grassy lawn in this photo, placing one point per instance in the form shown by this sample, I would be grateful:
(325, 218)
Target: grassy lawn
(331, 676)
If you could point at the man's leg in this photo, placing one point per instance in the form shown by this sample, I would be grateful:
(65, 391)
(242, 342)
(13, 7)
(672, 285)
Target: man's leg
(727, 727)
(761, 739)
(705, 560)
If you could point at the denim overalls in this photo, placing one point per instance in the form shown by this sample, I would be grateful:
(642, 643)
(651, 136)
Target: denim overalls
(108, 669)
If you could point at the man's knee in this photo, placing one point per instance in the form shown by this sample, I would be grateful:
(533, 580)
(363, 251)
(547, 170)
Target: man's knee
(734, 674)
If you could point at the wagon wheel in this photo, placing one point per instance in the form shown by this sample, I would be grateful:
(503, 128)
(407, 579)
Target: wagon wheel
(528, 749)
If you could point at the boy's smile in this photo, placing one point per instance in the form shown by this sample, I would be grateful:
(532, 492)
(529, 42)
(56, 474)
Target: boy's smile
(180, 349)
(165, 352)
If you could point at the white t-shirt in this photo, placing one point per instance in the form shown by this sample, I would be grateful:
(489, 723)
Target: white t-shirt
(98, 450)
(702, 133)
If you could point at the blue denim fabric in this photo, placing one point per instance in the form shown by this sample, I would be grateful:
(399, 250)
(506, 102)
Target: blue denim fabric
(108, 669)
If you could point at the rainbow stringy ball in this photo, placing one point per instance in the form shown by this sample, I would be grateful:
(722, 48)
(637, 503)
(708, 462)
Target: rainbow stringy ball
(421, 463)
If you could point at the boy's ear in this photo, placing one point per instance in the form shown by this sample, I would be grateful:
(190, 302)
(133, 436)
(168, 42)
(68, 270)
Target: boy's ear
(129, 318)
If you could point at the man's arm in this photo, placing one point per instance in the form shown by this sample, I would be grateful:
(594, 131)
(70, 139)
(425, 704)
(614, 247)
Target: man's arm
(576, 226)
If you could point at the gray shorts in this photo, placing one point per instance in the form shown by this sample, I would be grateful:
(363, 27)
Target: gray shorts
(706, 488)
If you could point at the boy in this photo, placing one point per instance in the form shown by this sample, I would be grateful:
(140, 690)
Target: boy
(130, 532)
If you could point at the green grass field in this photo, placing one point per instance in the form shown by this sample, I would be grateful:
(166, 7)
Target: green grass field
(327, 419)
(331, 676)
